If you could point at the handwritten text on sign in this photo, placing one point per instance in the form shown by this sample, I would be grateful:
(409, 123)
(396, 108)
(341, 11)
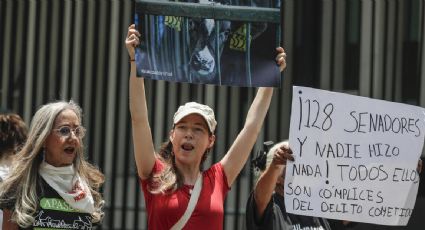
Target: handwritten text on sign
(355, 157)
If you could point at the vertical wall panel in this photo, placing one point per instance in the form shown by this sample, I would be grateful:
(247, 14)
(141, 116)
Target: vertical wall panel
(379, 41)
(284, 94)
(88, 72)
(339, 45)
(159, 109)
(222, 121)
(53, 49)
(326, 44)
(7, 8)
(399, 51)
(112, 126)
(77, 41)
(29, 58)
(422, 64)
(42, 50)
(390, 49)
(19, 53)
(65, 50)
(366, 48)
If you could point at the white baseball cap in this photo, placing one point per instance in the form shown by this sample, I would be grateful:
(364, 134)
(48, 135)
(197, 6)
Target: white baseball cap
(195, 108)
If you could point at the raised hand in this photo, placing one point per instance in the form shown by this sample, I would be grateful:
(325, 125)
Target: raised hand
(132, 40)
(282, 155)
(281, 58)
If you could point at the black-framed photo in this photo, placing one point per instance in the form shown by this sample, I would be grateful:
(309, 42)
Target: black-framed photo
(221, 42)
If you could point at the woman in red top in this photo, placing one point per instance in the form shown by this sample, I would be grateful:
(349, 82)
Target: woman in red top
(167, 177)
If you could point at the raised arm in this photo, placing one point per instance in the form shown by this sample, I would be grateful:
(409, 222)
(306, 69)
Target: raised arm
(144, 151)
(266, 184)
(238, 153)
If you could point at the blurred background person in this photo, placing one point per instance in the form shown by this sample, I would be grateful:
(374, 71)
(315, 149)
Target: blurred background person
(13, 133)
(266, 205)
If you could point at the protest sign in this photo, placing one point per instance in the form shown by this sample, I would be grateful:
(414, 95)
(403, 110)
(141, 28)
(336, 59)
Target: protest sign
(217, 42)
(355, 157)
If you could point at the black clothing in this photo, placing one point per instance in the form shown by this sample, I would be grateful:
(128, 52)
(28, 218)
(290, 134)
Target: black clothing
(275, 217)
(53, 212)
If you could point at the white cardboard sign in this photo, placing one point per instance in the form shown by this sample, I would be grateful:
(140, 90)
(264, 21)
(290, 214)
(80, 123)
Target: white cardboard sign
(355, 157)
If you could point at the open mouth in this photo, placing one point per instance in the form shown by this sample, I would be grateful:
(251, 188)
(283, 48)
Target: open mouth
(69, 150)
(187, 147)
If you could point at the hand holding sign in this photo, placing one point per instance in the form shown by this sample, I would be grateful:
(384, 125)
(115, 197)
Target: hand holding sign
(282, 155)
(131, 41)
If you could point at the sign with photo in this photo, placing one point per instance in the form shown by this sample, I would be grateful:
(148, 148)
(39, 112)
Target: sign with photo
(220, 42)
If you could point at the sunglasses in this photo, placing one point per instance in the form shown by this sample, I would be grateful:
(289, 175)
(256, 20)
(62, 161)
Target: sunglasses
(65, 131)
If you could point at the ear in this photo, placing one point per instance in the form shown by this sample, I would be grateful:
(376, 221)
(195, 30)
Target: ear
(211, 140)
(171, 135)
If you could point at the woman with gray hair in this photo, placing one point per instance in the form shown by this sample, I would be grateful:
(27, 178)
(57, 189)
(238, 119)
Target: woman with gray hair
(50, 184)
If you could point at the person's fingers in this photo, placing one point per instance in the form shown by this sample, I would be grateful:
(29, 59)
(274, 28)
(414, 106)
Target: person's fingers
(133, 39)
(129, 29)
(280, 49)
(132, 44)
(287, 152)
(282, 155)
(289, 156)
(282, 67)
(281, 61)
(132, 31)
(278, 158)
(281, 58)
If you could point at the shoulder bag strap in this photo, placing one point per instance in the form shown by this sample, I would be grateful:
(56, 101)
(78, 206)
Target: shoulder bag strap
(191, 206)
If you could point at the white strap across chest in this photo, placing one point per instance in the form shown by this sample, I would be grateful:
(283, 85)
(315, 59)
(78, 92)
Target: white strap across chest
(191, 206)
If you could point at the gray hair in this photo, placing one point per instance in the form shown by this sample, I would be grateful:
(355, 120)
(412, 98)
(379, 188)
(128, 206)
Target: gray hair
(21, 185)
